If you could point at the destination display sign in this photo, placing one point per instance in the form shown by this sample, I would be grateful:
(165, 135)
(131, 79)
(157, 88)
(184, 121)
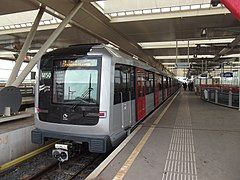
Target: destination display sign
(77, 63)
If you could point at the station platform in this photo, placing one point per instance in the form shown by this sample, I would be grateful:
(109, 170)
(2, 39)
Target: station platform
(193, 140)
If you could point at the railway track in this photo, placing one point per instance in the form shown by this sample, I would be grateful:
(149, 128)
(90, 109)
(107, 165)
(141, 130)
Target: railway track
(45, 167)
(77, 167)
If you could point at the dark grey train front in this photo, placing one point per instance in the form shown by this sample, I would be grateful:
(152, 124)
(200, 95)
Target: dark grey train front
(95, 94)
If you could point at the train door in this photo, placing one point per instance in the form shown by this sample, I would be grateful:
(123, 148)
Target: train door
(126, 97)
(140, 94)
(169, 86)
(166, 87)
(161, 88)
(156, 90)
(122, 103)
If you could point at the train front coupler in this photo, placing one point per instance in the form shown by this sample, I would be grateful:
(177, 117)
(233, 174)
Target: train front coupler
(62, 151)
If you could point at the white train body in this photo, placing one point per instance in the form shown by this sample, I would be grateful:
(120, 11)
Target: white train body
(119, 93)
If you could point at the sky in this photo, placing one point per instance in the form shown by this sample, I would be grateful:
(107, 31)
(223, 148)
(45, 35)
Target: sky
(6, 69)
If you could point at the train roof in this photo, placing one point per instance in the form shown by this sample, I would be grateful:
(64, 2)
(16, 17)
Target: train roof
(80, 49)
(85, 49)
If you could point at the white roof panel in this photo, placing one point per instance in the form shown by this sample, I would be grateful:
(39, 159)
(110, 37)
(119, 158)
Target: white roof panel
(21, 17)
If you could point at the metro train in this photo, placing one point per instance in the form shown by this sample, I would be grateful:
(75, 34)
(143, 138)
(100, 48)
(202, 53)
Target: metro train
(95, 94)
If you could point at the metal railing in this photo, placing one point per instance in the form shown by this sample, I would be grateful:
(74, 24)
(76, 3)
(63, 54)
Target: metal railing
(221, 97)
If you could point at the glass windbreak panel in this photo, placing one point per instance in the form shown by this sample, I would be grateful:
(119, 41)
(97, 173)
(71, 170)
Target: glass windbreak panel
(76, 83)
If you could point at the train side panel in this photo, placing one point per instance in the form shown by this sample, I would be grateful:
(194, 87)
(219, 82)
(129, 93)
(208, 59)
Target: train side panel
(149, 103)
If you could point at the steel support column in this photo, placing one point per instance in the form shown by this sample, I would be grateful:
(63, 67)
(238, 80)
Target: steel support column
(25, 47)
(239, 86)
(176, 52)
(46, 45)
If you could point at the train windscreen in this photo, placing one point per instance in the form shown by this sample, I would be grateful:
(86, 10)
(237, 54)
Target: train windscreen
(76, 81)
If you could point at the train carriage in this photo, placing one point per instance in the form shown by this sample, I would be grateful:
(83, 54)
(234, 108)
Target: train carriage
(95, 94)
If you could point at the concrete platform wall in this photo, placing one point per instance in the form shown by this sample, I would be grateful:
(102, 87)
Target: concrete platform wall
(16, 143)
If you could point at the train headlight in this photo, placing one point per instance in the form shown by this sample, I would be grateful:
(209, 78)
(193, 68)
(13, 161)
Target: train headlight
(60, 155)
(64, 155)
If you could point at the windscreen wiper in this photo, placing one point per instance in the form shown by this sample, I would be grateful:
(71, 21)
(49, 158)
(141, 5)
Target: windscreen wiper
(90, 87)
(78, 104)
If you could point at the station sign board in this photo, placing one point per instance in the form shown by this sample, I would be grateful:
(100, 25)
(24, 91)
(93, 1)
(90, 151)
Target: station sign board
(227, 74)
(182, 65)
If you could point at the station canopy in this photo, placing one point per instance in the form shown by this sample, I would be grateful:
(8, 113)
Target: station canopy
(149, 30)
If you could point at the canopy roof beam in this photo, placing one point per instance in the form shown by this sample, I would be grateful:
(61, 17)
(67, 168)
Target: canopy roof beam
(47, 44)
(25, 47)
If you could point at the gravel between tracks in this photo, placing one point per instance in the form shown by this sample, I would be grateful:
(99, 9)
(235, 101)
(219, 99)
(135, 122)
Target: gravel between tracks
(85, 163)
(30, 167)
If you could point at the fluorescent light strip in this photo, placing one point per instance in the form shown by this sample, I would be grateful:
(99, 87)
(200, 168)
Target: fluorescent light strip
(191, 56)
(231, 56)
(168, 64)
(182, 57)
(29, 24)
(164, 9)
(172, 44)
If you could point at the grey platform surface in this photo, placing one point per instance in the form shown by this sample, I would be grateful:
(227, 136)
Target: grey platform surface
(17, 124)
(193, 140)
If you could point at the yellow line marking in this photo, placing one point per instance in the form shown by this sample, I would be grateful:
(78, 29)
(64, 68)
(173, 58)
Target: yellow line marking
(124, 169)
(109, 159)
(25, 157)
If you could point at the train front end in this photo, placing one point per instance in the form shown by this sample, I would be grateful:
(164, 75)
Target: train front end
(68, 99)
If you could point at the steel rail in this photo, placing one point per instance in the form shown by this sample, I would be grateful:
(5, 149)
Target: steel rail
(25, 157)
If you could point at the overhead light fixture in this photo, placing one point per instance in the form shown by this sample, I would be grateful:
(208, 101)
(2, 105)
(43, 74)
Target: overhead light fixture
(29, 24)
(129, 13)
(23, 25)
(138, 12)
(176, 8)
(156, 10)
(164, 10)
(193, 56)
(147, 11)
(121, 14)
(113, 14)
(183, 43)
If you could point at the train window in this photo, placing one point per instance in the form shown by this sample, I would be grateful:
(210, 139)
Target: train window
(76, 84)
(143, 83)
(139, 89)
(158, 82)
(149, 82)
(132, 83)
(165, 82)
(150, 79)
(117, 84)
(124, 83)
(161, 82)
